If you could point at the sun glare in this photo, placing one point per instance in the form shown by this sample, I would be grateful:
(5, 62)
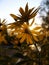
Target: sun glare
(37, 22)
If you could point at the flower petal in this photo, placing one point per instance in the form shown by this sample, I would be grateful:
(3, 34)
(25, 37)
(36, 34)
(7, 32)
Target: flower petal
(35, 38)
(23, 38)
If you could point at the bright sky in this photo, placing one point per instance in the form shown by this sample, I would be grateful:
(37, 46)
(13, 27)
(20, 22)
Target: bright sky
(12, 6)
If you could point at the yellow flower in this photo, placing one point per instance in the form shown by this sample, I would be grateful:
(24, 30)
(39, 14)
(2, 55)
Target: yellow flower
(24, 35)
(13, 28)
(28, 35)
(3, 27)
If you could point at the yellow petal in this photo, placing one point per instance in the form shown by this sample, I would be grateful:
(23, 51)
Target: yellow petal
(35, 38)
(19, 35)
(30, 40)
(37, 28)
(23, 38)
(11, 26)
(27, 40)
(25, 26)
(34, 32)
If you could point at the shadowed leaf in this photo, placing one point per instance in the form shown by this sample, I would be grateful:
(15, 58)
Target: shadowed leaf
(26, 8)
(14, 16)
(21, 11)
(34, 13)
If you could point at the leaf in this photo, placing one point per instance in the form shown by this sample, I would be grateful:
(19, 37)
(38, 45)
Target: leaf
(32, 22)
(34, 12)
(3, 21)
(26, 8)
(14, 16)
(30, 10)
(21, 11)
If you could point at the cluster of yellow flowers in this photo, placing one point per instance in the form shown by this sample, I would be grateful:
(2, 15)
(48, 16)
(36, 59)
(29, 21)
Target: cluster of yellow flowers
(20, 28)
(23, 34)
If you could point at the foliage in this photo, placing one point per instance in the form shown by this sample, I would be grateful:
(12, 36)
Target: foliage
(44, 13)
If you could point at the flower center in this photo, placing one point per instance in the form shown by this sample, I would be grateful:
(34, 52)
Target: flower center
(27, 31)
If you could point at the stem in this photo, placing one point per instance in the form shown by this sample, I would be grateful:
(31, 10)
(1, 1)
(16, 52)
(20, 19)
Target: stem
(38, 55)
